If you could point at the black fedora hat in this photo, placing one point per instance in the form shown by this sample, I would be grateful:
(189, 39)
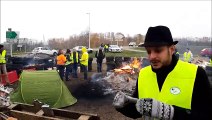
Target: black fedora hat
(158, 36)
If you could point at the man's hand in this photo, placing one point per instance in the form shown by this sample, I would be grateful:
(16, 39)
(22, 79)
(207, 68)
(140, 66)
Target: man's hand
(156, 109)
(120, 100)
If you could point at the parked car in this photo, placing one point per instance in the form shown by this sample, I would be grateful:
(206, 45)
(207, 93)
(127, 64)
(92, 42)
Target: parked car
(139, 45)
(44, 50)
(79, 49)
(206, 52)
(132, 44)
(115, 48)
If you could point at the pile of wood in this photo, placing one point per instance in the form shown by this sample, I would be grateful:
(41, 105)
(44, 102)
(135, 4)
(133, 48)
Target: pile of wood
(38, 111)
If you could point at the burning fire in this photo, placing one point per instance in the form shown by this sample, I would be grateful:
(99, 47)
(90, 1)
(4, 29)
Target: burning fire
(130, 69)
(123, 70)
(136, 63)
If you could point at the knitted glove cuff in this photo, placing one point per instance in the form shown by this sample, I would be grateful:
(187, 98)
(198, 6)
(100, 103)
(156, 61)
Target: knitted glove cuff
(155, 109)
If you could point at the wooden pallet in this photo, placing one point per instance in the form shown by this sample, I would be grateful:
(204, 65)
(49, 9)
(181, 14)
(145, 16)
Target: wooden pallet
(35, 112)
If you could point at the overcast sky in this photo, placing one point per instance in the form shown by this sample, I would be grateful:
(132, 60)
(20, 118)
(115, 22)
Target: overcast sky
(35, 19)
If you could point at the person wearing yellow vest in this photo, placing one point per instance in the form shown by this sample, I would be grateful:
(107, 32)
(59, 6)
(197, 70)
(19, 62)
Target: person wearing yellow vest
(177, 54)
(210, 61)
(84, 62)
(187, 56)
(167, 89)
(3, 69)
(68, 64)
(74, 58)
(61, 60)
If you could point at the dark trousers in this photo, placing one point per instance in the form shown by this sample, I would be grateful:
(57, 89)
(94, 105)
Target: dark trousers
(74, 70)
(85, 70)
(61, 71)
(99, 67)
(68, 71)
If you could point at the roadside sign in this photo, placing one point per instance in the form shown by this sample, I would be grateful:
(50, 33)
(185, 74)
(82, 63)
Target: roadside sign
(11, 34)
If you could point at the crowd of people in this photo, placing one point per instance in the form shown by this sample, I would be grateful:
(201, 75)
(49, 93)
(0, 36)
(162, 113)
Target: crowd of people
(67, 63)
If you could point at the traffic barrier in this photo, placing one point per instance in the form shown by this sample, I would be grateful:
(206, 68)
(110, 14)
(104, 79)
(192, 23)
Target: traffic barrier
(12, 76)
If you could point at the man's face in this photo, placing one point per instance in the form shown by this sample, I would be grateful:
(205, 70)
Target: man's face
(187, 50)
(160, 56)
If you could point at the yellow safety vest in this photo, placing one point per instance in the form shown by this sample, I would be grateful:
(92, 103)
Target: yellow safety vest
(187, 57)
(72, 57)
(68, 62)
(210, 62)
(2, 57)
(177, 88)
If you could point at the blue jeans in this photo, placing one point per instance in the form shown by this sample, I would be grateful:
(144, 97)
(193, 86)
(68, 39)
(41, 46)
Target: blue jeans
(74, 70)
(61, 70)
(99, 67)
(68, 71)
(85, 70)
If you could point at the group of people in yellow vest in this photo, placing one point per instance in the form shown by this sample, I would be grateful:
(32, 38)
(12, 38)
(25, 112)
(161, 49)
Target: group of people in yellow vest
(69, 61)
(187, 55)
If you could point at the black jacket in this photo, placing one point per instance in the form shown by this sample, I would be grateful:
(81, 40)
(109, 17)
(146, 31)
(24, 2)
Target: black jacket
(201, 97)
(100, 56)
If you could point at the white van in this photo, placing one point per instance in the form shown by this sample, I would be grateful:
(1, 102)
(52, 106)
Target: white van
(132, 44)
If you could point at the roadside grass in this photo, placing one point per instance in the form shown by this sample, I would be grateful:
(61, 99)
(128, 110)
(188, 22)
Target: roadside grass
(124, 53)
(138, 48)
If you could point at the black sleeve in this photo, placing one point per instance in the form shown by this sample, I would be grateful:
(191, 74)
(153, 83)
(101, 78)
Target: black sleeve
(130, 110)
(201, 100)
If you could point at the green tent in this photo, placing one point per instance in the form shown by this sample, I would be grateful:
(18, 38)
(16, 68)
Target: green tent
(46, 86)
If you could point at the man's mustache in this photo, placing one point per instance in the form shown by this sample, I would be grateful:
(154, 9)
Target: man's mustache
(154, 61)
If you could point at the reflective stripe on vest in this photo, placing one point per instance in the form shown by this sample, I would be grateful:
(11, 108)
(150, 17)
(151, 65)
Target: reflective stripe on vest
(2, 57)
(177, 88)
(72, 57)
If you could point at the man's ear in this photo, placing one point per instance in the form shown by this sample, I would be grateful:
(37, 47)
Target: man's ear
(172, 49)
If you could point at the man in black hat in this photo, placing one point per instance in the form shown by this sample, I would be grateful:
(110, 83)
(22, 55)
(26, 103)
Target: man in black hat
(169, 88)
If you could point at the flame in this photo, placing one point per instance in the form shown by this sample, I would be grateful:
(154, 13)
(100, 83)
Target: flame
(130, 69)
(136, 63)
(125, 69)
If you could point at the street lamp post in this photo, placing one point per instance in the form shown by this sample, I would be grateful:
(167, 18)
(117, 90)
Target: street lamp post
(89, 40)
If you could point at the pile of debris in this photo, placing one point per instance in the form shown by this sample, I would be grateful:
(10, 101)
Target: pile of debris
(120, 82)
(122, 79)
(4, 95)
